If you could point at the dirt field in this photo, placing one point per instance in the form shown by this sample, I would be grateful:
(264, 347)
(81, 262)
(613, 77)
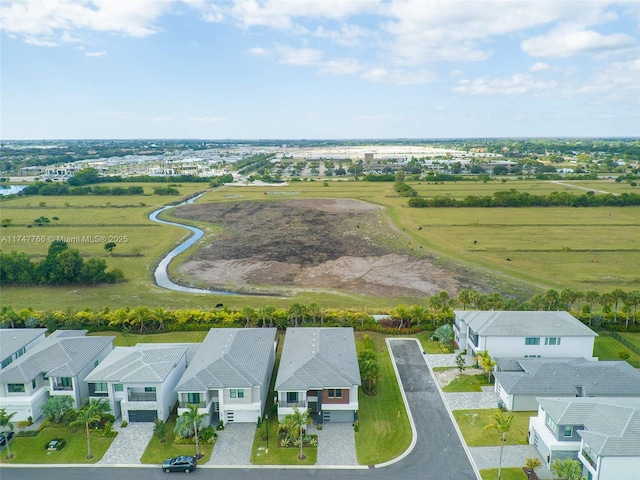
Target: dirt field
(319, 244)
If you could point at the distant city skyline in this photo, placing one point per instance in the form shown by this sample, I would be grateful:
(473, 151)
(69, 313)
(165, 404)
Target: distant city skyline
(319, 69)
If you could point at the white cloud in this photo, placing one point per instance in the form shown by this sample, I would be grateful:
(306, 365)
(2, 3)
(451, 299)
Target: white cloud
(298, 56)
(371, 118)
(348, 35)
(569, 41)
(210, 11)
(519, 84)
(48, 21)
(95, 54)
(258, 52)
(398, 77)
(539, 67)
(341, 66)
(618, 80)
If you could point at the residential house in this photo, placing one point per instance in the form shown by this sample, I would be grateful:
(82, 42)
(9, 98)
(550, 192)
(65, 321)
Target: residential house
(139, 381)
(602, 433)
(523, 334)
(14, 342)
(56, 365)
(520, 380)
(229, 375)
(319, 371)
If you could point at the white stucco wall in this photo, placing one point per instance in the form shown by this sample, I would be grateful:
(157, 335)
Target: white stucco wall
(515, 347)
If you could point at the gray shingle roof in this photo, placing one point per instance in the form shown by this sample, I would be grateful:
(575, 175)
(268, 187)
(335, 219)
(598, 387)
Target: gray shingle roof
(143, 363)
(229, 357)
(524, 324)
(63, 353)
(318, 358)
(550, 377)
(13, 339)
(611, 425)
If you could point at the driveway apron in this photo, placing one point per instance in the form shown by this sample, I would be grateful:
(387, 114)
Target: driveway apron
(336, 444)
(233, 446)
(129, 444)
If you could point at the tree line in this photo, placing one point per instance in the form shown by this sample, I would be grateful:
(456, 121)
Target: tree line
(615, 310)
(61, 266)
(514, 198)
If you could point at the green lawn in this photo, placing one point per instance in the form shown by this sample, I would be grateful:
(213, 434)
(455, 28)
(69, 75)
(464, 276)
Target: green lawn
(467, 383)
(472, 423)
(608, 348)
(273, 454)
(32, 449)
(131, 339)
(428, 345)
(157, 451)
(633, 337)
(514, 473)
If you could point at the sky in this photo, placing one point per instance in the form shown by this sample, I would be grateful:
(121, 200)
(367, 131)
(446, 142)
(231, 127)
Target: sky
(318, 69)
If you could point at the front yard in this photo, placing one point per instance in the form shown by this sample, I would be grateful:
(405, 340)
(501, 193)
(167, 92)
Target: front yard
(472, 425)
(33, 449)
(157, 451)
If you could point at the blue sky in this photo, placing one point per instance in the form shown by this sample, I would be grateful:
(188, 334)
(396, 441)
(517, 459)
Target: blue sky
(251, 69)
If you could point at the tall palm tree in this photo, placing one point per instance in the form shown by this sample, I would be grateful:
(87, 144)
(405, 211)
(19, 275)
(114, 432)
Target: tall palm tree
(296, 421)
(474, 298)
(249, 314)
(617, 295)
(87, 415)
(314, 310)
(567, 468)
(417, 313)
(296, 310)
(192, 415)
(464, 297)
(486, 362)
(5, 422)
(501, 423)
(402, 312)
(591, 297)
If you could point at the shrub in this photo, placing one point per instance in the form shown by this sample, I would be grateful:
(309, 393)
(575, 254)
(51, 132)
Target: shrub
(207, 434)
(124, 423)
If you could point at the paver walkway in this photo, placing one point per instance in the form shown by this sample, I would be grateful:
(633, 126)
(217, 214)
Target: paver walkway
(129, 444)
(233, 446)
(336, 444)
(512, 456)
(471, 400)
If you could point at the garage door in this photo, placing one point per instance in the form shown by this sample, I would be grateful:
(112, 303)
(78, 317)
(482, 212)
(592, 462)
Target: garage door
(241, 416)
(142, 415)
(337, 416)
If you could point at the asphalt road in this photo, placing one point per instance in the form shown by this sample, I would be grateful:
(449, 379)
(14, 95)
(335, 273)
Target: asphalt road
(438, 453)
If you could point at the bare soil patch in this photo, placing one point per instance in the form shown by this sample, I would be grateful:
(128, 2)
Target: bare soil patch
(320, 244)
(445, 377)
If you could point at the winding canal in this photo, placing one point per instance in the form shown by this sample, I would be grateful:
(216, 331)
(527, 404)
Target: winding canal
(161, 275)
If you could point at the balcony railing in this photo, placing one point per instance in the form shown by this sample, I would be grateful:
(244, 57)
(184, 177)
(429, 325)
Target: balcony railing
(292, 404)
(57, 386)
(182, 404)
(588, 458)
(142, 397)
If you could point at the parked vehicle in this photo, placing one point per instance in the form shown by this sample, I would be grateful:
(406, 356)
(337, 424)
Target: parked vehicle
(56, 444)
(183, 463)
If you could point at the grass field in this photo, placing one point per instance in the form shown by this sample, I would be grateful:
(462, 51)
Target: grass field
(514, 473)
(467, 383)
(608, 348)
(580, 248)
(472, 425)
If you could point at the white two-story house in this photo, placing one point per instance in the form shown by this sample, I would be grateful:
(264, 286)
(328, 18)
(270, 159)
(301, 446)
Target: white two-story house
(319, 371)
(139, 381)
(56, 365)
(602, 433)
(523, 334)
(228, 377)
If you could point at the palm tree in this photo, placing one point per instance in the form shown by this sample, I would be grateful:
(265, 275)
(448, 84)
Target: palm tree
(402, 312)
(89, 414)
(502, 424)
(249, 314)
(464, 297)
(5, 422)
(617, 295)
(417, 314)
(486, 362)
(296, 310)
(192, 415)
(296, 422)
(567, 468)
(532, 464)
(313, 310)
(474, 298)
(592, 296)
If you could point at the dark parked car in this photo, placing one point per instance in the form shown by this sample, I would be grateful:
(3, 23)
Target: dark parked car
(183, 463)
(4, 436)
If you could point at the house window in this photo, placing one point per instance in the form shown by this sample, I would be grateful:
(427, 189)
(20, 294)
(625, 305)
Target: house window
(532, 341)
(15, 387)
(21, 352)
(241, 393)
(150, 389)
(335, 393)
(568, 430)
(552, 341)
(193, 398)
(233, 393)
(532, 356)
(100, 388)
(96, 363)
(65, 382)
(6, 361)
(292, 397)
(551, 424)
(33, 383)
(117, 387)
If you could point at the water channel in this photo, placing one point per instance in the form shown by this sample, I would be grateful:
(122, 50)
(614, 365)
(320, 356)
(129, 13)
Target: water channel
(161, 274)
